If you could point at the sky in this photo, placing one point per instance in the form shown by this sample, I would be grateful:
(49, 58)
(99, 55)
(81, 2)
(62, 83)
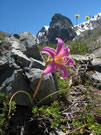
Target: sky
(31, 15)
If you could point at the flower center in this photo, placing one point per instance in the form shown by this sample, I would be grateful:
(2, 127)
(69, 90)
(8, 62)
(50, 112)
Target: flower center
(60, 60)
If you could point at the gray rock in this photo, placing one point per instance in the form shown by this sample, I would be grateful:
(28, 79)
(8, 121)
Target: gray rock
(30, 43)
(96, 77)
(96, 62)
(42, 35)
(12, 81)
(80, 57)
(21, 66)
(61, 27)
(47, 86)
(21, 59)
(36, 64)
(97, 52)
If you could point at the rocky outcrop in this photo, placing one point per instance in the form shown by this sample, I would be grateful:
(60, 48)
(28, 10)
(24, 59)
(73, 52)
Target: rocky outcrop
(42, 35)
(21, 66)
(60, 26)
(90, 67)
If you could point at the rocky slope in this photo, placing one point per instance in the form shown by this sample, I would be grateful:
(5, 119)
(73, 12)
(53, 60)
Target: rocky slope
(90, 32)
(91, 24)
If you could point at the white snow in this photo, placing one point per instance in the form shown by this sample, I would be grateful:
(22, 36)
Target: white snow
(87, 25)
(40, 34)
(46, 27)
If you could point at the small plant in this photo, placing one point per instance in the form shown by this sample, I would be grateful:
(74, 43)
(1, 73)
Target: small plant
(86, 124)
(51, 112)
(4, 107)
(78, 47)
(59, 60)
(1, 38)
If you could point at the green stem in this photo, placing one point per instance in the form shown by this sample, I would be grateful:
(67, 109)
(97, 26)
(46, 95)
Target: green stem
(38, 86)
(21, 91)
(51, 95)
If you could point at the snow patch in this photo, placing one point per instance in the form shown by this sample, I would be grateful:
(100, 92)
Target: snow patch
(88, 25)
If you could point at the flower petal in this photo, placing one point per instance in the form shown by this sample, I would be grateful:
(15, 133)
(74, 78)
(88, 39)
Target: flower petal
(70, 62)
(63, 71)
(49, 51)
(50, 68)
(63, 53)
(60, 46)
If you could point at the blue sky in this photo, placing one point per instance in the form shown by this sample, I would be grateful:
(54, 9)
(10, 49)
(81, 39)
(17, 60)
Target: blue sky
(30, 15)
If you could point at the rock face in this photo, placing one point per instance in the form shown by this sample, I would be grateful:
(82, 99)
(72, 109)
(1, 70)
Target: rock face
(91, 68)
(60, 26)
(42, 35)
(21, 66)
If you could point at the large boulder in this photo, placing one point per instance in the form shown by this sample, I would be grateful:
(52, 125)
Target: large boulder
(61, 27)
(21, 66)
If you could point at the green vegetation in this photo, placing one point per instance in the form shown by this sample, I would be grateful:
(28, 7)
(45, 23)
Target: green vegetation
(3, 35)
(51, 112)
(49, 45)
(4, 107)
(78, 47)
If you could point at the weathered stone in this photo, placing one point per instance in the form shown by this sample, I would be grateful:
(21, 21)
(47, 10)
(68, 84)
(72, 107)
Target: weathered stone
(96, 77)
(96, 62)
(47, 86)
(30, 42)
(42, 35)
(97, 52)
(12, 81)
(61, 27)
(20, 58)
(21, 67)
(82, 57)
(36, 64)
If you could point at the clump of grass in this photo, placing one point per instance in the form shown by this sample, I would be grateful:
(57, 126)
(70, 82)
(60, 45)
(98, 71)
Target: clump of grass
(78, 47)
(4, 108)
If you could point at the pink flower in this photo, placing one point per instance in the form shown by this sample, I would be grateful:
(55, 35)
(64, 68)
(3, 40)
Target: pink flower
(59, 59)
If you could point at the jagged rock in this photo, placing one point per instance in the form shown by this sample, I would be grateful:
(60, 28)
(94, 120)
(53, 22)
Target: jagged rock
(21, 66)
(89, 67)
(42, 35)
(61, 27)
(95, 62)
(36, 64)
(29, 45)
(12, 81)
